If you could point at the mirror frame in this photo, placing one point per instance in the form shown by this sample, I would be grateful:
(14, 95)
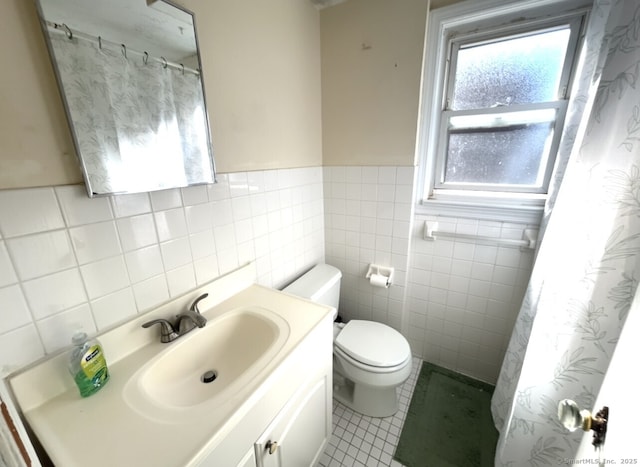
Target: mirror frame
(78, 153)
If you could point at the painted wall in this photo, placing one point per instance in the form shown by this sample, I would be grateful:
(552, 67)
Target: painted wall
(371, 64)
(35, 143)
(261, 62)
(263, 91)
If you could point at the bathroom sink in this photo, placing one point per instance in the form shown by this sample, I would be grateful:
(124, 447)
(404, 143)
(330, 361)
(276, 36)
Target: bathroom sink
(209, 365)
(270, 352)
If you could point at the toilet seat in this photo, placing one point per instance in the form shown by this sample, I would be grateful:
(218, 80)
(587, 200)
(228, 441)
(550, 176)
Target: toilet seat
(370, 368)
(373, 344)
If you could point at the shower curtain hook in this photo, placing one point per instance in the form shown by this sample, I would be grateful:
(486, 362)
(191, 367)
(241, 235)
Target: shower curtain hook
(67, 31)
(124, 50)
(164, 62)
(145, 57)
(100, 42)
(182, 66)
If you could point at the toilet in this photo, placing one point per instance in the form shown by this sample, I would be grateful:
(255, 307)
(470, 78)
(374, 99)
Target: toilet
(370, 359)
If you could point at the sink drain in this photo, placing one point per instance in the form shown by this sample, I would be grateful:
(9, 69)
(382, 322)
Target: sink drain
(209, 376)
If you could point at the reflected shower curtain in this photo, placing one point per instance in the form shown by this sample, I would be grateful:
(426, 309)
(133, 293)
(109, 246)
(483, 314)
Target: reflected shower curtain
(132, 118)
(587, 269)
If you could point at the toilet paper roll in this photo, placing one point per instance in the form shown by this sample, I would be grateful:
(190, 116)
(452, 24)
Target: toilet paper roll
(378, 280)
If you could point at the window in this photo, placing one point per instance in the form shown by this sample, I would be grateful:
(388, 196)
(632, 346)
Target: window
(495, 106)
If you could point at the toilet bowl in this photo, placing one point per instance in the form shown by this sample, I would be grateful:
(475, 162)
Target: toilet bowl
(370, 359)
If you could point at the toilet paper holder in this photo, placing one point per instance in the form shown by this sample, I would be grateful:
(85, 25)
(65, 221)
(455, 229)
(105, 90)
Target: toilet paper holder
(380, 271)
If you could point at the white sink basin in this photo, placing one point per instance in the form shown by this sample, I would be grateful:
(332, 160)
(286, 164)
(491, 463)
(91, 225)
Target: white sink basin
(234, 346)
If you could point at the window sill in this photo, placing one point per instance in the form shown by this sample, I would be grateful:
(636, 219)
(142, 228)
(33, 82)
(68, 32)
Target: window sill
(523, 211)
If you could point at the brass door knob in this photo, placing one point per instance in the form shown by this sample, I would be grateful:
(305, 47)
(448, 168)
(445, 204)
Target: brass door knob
(573, 418)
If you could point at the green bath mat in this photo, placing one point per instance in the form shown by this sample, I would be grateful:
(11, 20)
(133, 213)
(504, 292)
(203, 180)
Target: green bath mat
(448, 423)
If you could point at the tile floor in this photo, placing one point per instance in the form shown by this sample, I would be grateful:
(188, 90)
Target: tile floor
(362, 441)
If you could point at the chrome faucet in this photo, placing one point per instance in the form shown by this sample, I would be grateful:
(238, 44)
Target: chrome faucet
(167, 333)
(191, 318)
(185, 322)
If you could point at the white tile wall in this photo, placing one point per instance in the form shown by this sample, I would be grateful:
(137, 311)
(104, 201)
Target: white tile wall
(69, 262)
(456, 302)
(22, 213)
(463, 297)
(368, 213)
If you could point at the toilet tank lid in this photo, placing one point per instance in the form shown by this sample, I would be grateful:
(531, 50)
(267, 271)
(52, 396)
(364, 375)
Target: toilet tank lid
(373, 343)
(315, 282)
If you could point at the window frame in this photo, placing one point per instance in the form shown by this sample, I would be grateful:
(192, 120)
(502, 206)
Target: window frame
(471, 22)
(560, 108)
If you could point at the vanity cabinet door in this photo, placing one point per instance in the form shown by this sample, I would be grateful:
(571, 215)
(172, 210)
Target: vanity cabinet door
(249, 459)
(298, 435)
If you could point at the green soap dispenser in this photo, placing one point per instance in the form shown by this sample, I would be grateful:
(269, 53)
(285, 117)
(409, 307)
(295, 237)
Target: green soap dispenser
(87, 364)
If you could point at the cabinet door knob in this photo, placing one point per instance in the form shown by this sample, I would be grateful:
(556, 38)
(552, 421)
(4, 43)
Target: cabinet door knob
(272, 446)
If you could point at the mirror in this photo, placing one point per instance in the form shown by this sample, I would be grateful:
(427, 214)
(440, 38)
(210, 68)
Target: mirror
(130, 76)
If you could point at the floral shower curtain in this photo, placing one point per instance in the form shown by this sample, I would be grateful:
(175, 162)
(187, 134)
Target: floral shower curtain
(585, 275)
(132, 116)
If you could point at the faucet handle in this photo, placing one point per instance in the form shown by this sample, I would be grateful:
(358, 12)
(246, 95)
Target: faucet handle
(167, 333)
(194, 305)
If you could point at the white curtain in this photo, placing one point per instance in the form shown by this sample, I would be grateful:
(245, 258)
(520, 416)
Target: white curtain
(133, 121)
(587, 269)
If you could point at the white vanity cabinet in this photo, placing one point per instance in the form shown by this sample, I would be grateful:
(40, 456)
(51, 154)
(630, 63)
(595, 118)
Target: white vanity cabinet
(249, 459)
(299, 434)
(290, 425)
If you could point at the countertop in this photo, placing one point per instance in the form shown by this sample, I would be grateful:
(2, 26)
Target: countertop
(103, 430)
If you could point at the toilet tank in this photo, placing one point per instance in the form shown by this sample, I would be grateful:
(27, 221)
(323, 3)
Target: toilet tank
(321, 284)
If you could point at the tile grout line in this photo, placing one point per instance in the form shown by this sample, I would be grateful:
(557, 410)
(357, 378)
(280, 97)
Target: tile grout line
(362, 441)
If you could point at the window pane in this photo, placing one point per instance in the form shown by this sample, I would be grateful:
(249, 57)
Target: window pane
(510, 155)
(518, 70)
